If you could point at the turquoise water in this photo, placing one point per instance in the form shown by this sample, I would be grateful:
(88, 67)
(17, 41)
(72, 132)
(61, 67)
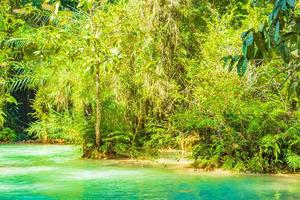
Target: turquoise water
(57, 172)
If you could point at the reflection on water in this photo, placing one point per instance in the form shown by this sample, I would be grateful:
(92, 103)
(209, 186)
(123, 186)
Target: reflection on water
(57, 172)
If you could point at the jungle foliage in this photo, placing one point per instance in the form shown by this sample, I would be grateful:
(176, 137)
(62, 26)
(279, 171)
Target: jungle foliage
(126, 78)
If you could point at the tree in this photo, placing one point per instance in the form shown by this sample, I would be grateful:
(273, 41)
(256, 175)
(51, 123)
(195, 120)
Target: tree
(279, 36)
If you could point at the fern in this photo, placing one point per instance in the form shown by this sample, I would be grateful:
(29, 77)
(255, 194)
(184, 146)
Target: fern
(20, 68)
(270, 145)
(19, 84)
(117, 142)
(22, 78)
(7, 135)
(293, 161)
(18, 43)
(39, 17)
(36, 16)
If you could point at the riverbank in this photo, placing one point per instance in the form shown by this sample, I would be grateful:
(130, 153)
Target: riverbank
(186, 166)
(167, 159)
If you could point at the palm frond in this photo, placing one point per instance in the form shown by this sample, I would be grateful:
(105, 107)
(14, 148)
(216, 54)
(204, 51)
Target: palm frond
(18, 84)
(39, 17)
(293, 161)
(33, 15)
(18, 43)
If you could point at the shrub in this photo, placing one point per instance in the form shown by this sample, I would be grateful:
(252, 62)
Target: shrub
(8, 135)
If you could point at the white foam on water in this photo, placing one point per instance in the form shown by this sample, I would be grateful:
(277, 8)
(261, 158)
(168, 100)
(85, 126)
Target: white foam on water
(12, 187)
(103, 174)
(19, 188)
(37, 150)
(14, 171)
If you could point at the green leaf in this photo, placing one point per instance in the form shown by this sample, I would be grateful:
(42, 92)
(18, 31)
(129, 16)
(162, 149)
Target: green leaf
(248, 47)
(245, 49)
(274, 14)
(291, 3)
(293, 160)
(283, 5)
(11, 99)
(242, 66)
(249, 39)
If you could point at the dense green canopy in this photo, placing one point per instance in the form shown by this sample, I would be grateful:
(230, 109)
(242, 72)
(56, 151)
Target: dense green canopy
(127, 78)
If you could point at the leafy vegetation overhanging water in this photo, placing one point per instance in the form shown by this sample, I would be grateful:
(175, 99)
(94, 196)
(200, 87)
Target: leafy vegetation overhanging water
(56, 172)
(127, 78)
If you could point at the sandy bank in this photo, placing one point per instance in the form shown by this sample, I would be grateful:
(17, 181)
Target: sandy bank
(185, 166)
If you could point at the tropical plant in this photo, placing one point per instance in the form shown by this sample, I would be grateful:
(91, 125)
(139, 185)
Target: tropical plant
(7, 135)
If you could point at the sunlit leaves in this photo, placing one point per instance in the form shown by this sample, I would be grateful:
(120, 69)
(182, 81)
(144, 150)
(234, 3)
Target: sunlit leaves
(2, 117)
(278, 36)
(17, 43)
(161, 82)
(293, 160)
(86, 5)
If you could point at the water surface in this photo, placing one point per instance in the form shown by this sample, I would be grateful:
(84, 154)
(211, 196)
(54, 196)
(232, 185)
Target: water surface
(57, 172)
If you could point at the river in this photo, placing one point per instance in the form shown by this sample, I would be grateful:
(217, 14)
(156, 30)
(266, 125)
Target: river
(57, 172)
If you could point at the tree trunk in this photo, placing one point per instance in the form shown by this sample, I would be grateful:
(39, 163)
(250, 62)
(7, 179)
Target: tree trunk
(98, 108)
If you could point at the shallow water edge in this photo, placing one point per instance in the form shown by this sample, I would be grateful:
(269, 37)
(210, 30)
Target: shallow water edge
(184, 164)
